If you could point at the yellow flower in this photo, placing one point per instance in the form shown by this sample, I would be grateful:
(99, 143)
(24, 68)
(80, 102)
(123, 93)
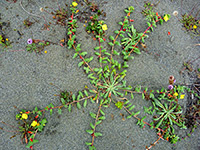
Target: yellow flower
(45, 52)
(194, 26)
(182, 96)
(24, 116)
(104, 27)
(166, 18)
(175, 94)
(6, 39)
(34, 123)
(74, 4)
(43, 124)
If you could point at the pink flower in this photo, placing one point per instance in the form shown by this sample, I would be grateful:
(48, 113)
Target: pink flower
(30, 41)
(170, 87)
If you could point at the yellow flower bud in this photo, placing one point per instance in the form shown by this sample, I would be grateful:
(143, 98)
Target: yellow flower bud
(24, 116)
(104, 27)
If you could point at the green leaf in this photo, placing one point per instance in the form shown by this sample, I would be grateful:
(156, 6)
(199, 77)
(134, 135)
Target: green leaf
(143, 97)
(81, 63)
(149, 24)
(98, 122)
(115, 52)
(110, 43)
(36, 109)
(91, 125)
(117, 43)
(85, 103)
(78, 105)
(89, 131)
(88, 144)
(116, 31)
(132, 95)
(62, 101)
(132, 107)
(101, 111)
(70, 108)
(83, 53)
(120, 23)
(137, 51)
(93, 115)
(102, 118)
(51, 111)
(92, 147)
(111, 37)
(29, 144)
(75, 55)
(35, 141)
(81, 94)
(129, 116)
(59, 111)
(159, 123)
(137, 113)
(96, 53)
(96, 48)
(97, 134)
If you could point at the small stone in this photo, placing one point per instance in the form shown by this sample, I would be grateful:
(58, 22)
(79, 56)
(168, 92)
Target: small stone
(172, 39)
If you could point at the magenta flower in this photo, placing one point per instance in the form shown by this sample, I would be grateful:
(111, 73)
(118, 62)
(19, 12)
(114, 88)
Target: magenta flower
(30, 41)
(170, 87)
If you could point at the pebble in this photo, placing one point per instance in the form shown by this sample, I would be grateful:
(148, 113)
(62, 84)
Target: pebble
(172, 39)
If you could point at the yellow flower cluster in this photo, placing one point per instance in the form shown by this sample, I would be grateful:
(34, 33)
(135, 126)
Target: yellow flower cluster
(181, 96)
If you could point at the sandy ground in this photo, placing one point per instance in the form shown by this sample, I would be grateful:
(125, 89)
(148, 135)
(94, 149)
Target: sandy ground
(25, 77)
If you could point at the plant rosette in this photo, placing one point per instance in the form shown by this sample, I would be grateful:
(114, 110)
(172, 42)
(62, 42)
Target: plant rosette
(36, 46)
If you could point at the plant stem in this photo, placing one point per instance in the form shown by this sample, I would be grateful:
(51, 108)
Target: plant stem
(100, 49)
(116, 39)
(157, 140)
(70, 38)
(140, 119)
(141, 38)
(66, 104)
(95, 124)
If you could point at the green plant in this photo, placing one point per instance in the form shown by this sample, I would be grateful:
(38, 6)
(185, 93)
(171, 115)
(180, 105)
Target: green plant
(191, 23)
(108, 82)
(37, 47)
(30, 124)
(4, 42)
